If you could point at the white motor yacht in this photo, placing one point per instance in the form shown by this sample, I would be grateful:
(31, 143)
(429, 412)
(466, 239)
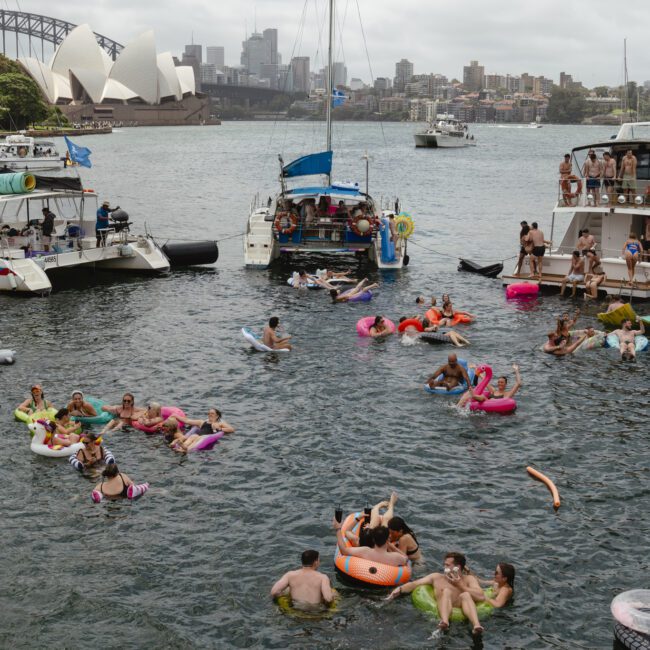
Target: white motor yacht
(610, 212)
(445, 133)
(20, 152)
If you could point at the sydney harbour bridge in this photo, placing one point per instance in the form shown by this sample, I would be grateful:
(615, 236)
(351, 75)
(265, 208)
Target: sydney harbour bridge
(26, 35)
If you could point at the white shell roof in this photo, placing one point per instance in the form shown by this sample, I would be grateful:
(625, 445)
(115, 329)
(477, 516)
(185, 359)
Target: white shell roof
(137, 72)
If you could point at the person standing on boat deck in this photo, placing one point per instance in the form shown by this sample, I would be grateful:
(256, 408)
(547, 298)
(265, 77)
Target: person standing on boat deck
(586, 242)
(271, 339)
(576, 273)
(592, 170)
(102, 223)
(609, 172)
(539, 248)
(565, 182)
(525, 246)
(47, 227)
(627, 173)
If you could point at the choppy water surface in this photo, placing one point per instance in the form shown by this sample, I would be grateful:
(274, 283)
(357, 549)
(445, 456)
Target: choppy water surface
(340, 419)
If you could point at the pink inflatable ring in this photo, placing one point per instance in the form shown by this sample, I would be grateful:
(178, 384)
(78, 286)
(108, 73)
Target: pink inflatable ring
(166, 412)
(364, 325)
(522, 290)
(495, 404)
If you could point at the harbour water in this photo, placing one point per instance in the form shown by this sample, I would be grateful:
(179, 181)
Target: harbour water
(341, 419)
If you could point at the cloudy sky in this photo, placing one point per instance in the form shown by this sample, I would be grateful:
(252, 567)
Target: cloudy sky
(541, 37)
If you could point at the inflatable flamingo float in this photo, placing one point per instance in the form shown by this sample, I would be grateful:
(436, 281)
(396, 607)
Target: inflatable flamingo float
(494, 405)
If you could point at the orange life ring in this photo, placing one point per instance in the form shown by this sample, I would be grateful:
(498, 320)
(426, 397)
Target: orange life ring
(410, 322)
(461, 317)
(365, 571)
(89, 190)
(433, 315)
(355, 225)
(565, 184)
(293, 222)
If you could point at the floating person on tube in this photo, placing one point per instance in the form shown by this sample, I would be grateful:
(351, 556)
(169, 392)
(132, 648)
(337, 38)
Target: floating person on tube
(453, 374)
(500, 392)
(340, 295)
(36, 402)
(379, 553)
(212, 424)
(79, 407)
(271, 339)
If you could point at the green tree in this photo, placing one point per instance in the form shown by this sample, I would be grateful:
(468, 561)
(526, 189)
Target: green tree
(601, 91)
(7, 65)
(566, 106)
(22, 97)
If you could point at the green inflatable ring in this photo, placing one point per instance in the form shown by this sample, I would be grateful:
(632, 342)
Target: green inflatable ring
(102, 417)
(45, 414)
(284, 602)
(424, 598)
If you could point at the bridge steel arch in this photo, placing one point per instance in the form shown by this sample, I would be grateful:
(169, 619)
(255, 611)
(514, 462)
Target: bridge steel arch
(45, 29)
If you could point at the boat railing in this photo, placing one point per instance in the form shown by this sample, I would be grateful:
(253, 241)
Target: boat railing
(322, 229)
(574, 192)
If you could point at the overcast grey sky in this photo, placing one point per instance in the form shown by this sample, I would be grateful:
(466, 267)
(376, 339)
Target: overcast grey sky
(541, 37)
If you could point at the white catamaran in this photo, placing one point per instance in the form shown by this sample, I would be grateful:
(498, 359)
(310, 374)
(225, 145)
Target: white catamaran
(328, 218)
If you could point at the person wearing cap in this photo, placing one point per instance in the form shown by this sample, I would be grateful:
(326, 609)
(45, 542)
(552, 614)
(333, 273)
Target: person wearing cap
(102, 223)
(47, 227)
(92, 454)
(36, 402)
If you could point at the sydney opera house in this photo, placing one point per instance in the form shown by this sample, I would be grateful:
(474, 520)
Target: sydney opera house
(139, 86)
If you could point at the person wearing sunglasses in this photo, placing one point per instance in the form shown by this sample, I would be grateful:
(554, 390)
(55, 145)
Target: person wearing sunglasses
(124, 413)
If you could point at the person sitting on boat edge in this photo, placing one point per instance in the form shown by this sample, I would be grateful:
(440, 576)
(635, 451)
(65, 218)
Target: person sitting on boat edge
(500, 392)
(271, 339)
(124, 413)
(307, 587)
(92, 454)
(36, 402)
(456, 587)
(378, 553)
(575, 275)
(595, 277)
(452, 374)
(77, 406)
(626, 336)
(212, 424)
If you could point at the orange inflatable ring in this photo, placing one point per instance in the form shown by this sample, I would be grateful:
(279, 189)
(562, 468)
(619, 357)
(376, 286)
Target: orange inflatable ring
(549, 484)
(433, 316)
(283, 217)
(567, 192)
(355, 227)
(410, 322)
(372, 574)
(461, 317)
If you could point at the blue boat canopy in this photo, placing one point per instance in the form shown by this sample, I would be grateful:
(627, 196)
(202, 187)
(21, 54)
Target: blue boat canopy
(315, 163)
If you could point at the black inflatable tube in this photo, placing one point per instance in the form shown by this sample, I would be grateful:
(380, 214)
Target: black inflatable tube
(191, 253)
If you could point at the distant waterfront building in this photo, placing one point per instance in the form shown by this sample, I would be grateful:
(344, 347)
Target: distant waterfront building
(339, 74)
(473, 75)
(208, 73)
(565, 80)
(382, 83)
(527, 81)
(394, 105)
(214, 54)
(269, 72)
(356, 84)
(270, 36)
(494, 81)
(260, 49)
(403, 74)
(194, 50)
(300, 80)
(542, 86)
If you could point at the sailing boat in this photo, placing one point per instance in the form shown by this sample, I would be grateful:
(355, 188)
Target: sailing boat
(325, 218)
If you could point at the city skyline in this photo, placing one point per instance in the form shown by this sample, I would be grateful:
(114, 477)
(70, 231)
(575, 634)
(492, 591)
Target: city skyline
(583, 38)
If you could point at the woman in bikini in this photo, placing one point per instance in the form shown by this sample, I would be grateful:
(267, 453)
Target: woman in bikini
(213, 424)
(403, 539)
(632, 253)
(92, 454)
(115, 484)
(36, 402)
(379, 328)
(125, 413)
(77, 406)
(503, 585)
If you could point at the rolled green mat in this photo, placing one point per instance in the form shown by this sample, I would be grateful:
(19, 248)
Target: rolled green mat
(17, 183)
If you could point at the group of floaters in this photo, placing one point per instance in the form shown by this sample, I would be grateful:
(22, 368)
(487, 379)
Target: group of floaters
(378, 550)
(64, 433)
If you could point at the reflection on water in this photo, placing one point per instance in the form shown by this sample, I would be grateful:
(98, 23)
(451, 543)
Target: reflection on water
(341, 419)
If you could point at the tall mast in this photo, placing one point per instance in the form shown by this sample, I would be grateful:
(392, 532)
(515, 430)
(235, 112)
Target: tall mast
(328, 92)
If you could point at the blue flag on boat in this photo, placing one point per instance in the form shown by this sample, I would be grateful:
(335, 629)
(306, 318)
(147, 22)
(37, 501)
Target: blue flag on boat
(79, 155)
(338, 98)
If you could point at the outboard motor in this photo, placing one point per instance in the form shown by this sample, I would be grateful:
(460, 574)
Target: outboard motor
(120, 220)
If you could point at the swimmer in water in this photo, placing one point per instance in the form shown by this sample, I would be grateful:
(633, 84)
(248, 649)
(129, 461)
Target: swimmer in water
(402, 539)
(125, 413)
(559, 347)
(503, 585)
(379, 328)
(308, 588)
(212, 424)
(115, 484)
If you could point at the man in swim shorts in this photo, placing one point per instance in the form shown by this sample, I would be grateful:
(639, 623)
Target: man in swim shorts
(539, 248)
(271, 339)
(593, 170)
(628, 174)
(626, 337)
(453, 373)
(576, 273)
(456, 587)
(307, 587)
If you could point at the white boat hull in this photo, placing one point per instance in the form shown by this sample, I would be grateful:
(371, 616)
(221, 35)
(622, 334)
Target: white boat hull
(441, 141)
(260, 247)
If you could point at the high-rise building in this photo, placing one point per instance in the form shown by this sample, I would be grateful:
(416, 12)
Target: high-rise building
(196, 51)
(269, 71)
(260, 49)
(300, 74)
(565, 80)
(270, 36)
(403, 74)
(208, 73)
(473, 76)
(527, 81)
(214, 54)
(339, 74)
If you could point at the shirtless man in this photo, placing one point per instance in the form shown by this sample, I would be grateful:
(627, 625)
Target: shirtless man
(627, 173)
(379, 553)
(271, 339)
(592, 170)
(560, 347)
(453, 373)
(565, 183)
(125, 412)
(539, 248)
(614, 302)
(609, 173)
(307, 587)
(454, 588)
(626, 339)
(576, 273)
(586, 242)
